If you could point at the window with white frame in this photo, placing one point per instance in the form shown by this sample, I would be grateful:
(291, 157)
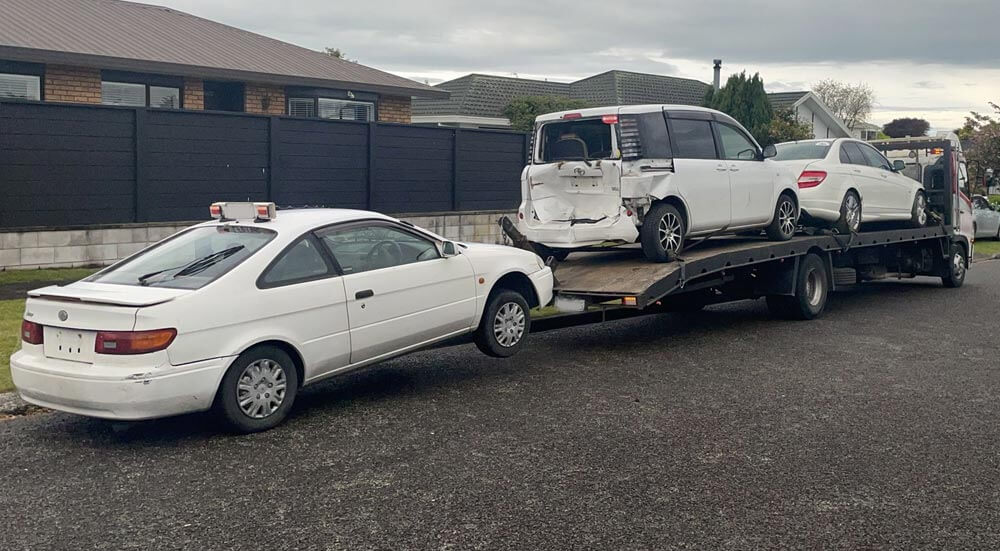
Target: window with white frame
(14, 86)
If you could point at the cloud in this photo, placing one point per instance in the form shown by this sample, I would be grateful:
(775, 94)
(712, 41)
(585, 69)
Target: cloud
(929, 84)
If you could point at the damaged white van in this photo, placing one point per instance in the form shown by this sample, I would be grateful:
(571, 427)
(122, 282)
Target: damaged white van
(656, 174)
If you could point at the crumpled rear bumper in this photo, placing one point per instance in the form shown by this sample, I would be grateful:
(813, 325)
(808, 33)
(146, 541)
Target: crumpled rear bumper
(566, 235)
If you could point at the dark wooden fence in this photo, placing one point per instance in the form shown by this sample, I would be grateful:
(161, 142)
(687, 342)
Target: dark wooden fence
(69, 165)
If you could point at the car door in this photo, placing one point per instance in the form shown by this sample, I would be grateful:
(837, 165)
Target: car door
(400, 291)
(751, 180)
(894, 189)
(867, 178)
(306, 293)
(702, 177)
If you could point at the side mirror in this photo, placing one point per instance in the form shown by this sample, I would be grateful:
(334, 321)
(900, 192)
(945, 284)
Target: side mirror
(898, 165)
(449, 249)
(769, 151)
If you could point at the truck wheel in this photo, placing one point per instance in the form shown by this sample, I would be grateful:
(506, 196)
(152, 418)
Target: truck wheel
(812, 287)
(257, 390)
(786, 218)
(662, 233)
(506, 322)
(956, 269)
(850, 214)
(918, 216)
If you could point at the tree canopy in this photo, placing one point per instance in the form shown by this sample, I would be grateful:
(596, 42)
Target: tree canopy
(745, 100)
(522, 111)
(786, 128)
(906, 126)
(852, 103)
(983, 134)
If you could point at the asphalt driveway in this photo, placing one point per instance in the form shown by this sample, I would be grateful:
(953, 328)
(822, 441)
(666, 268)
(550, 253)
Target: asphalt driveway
(877, 426)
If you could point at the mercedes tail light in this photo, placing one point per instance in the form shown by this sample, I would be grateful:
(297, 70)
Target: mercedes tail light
(811, 178)
(31, 332)
(133, 342)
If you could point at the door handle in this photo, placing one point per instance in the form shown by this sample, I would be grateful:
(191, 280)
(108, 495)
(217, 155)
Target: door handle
(734, 168)
(721, 167)
(367, 293)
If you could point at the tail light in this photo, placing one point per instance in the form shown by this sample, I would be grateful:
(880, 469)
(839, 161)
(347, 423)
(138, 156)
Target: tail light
(133, 342)
(811, 178)
(609, 119)
(31, 332)
(570, 116)
(215, 209)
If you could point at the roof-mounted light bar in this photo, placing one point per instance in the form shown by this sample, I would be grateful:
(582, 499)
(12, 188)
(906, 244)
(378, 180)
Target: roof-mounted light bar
(260, 212)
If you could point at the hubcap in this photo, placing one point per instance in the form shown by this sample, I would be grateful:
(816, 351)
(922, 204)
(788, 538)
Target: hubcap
(958, 266)
(670, 232)
(786, 218)
(508, 325)
(922, 210)
(814, 289)
(852, 212)
(261, 388)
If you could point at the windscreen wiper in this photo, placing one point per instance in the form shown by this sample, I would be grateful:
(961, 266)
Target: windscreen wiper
(195, 266)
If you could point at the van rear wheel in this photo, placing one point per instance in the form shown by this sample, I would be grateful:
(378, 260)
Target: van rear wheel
(662, 233)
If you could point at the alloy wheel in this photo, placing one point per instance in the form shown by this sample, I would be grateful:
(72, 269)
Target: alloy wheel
(508, 325)
(670, 232)
(261, 388)
(958, 266)
(921, 209)
(786, 217)
(852, 212)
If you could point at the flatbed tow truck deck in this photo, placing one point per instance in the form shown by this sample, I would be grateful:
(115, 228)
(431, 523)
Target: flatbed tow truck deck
(624, 272)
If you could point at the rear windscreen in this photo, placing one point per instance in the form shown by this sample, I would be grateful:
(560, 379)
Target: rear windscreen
(793, 151)
(579, 139)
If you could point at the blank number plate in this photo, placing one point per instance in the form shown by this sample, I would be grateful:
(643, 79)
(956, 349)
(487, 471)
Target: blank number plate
(70, 344)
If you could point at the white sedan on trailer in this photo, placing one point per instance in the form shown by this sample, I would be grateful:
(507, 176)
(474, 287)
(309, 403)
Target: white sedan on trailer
(237, 314)
(844, 183)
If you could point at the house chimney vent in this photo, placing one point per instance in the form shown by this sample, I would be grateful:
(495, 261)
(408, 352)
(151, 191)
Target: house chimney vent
(718, 72)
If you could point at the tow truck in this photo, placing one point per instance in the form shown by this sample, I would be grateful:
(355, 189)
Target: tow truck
(796, 277)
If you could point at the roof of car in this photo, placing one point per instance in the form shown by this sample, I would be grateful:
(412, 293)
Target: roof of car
(302, 220)
(613, 109)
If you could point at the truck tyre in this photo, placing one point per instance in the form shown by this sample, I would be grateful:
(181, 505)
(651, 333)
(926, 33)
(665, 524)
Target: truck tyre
(957, 267)
(786, 218)
(918, 215)
(662, 233)
(812, 287)
(257, 390)
(850, 214)
(505, 324)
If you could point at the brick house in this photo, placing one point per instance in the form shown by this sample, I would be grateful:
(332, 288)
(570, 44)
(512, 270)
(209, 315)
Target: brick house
(122, 53)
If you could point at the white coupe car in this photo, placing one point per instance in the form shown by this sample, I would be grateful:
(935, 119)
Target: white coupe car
(239, 313)
(844, 183)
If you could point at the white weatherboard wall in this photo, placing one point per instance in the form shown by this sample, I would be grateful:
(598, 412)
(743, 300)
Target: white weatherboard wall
(102, 246)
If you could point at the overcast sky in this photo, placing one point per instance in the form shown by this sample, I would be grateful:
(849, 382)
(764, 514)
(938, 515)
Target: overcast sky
(935, 60)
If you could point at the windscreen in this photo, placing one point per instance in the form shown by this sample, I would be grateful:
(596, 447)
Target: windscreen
(189, 260)
(575, 140)
(794, 151)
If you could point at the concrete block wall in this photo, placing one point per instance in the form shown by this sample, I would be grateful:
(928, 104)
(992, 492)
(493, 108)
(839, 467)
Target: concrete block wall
(75, 248)
(103, 246)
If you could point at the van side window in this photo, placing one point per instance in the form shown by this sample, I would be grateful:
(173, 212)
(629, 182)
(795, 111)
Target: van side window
(654, 143)
(735, 145)
(693, 139)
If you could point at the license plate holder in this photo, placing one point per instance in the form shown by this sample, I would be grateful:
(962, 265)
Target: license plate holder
(69, 344)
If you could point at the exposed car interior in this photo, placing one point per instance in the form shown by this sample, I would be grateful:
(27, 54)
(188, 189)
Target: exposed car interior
(584, 139)
(367, 248)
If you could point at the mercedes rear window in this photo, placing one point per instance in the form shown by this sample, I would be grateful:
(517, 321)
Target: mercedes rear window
(576, 140)
(794, 151)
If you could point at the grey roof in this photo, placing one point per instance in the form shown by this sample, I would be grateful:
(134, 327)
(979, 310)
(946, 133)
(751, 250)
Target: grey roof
(486, 95)
(113, 34)
(784, 100)
(628, 88)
